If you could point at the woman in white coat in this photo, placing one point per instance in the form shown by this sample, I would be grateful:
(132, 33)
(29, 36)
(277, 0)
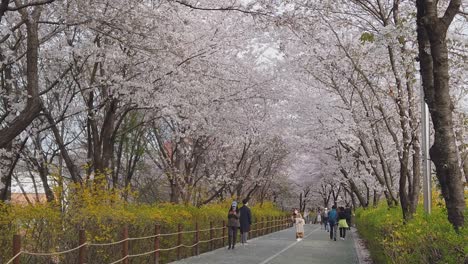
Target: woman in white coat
(299, 222)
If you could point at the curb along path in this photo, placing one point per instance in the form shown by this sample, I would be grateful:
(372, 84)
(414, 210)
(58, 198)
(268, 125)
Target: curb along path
(282, 247)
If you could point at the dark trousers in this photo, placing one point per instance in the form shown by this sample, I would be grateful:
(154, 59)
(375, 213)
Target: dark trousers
(343, 232)
(232, 235)
(332, 230)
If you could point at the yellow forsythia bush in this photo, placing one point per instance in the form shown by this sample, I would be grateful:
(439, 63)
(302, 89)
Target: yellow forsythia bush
(102, 213)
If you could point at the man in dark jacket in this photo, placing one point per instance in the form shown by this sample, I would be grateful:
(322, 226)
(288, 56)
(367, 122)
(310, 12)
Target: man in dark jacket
(245, 221)
(332, 222)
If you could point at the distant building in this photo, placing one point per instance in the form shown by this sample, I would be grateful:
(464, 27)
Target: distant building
(27, 188)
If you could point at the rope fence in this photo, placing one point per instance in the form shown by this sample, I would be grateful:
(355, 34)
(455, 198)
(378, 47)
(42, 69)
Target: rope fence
(260, 228)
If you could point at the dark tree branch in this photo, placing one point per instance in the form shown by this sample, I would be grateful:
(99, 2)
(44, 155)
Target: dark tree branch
(43, 2)
(3, 8)
(451, 12)
(228, 8)
(4, 194)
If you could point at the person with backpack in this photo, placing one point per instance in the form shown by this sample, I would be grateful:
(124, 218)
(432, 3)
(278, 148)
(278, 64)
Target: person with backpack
(332, 221)
(342, 224)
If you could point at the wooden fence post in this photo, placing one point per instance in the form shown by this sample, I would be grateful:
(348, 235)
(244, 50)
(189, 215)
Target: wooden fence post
(262, 231)
(82, 250)
(224, 233)
(252, 230)
(157, 232)
(16, 248)
(273, 224)
(196, 249)
(211, 236)
(268, 224)
(125, 244)
(257, 227)
(179, 240)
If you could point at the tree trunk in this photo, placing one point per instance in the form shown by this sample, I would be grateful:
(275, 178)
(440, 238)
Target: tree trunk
(392, 201)
(415, 189)
(405, 184)
(71, 166)
(301, 202)
(43, 173)
(435, 80)
(175, 192)
(463, 149)
(354, 189)
(33, 105)
(375, 201)
(376, 173)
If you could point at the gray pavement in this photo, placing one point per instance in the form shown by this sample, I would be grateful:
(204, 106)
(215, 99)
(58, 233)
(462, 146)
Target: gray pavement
(282, 248)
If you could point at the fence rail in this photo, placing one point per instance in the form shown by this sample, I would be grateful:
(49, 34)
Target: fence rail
(262, 227)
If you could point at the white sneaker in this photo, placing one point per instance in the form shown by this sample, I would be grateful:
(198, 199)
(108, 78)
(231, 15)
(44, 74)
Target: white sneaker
(299, 239)
(342, 238)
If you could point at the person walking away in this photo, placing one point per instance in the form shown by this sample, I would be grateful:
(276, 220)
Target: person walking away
(342, 223)
(233, 225)
(348, 216)
(332, 221)
(325, 219)
(245, 221)
(299, 222)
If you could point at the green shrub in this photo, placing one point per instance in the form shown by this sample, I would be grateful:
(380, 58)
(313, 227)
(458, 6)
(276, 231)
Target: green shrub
(424, 239)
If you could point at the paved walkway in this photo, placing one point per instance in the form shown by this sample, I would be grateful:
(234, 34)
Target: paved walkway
(282, 248)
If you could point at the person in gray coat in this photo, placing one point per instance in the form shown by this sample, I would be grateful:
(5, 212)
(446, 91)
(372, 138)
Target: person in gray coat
(245, 221)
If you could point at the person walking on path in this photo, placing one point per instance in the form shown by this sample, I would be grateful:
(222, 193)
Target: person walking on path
(348, 216)
(342, 224)
(332, 221)
(325, 219)
(319, 218)
(299, 222)
(245, 221)
(233, 224)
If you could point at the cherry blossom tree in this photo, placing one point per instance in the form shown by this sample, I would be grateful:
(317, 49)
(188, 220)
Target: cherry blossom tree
(433, 56)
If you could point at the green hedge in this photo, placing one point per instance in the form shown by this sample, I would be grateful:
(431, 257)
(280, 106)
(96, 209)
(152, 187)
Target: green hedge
(424, 239)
